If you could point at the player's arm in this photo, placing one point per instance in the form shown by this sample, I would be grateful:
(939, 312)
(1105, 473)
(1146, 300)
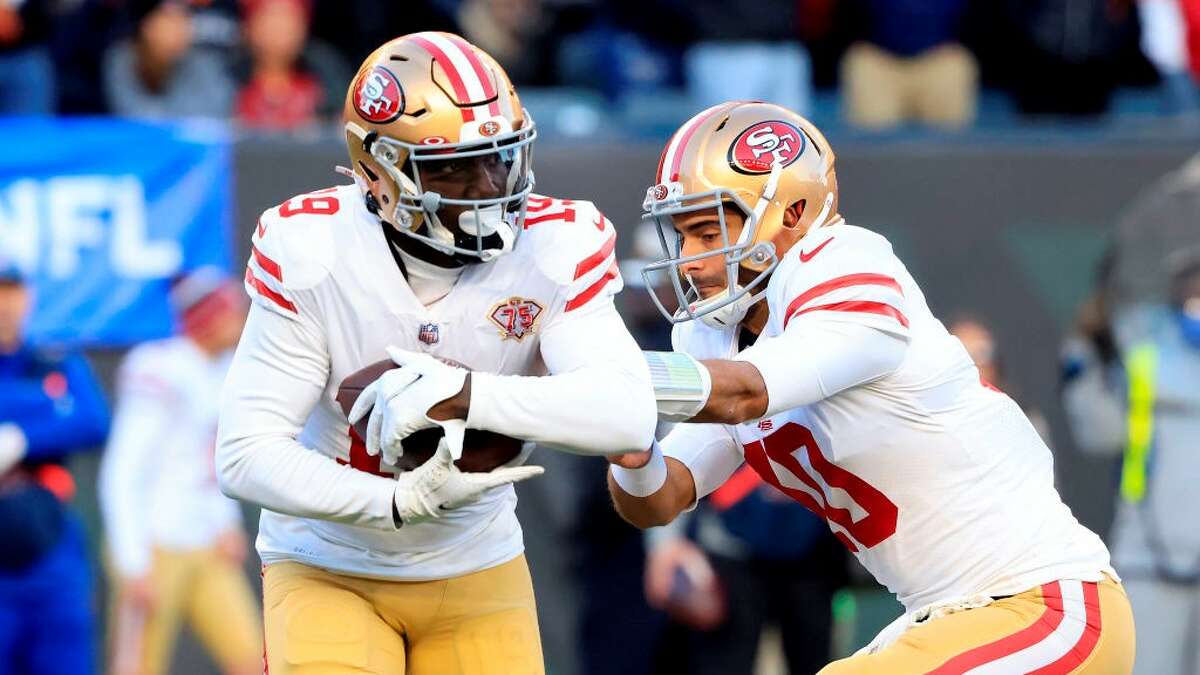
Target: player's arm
(597, 399)
(840, 330)
(808, 362)
(652, 488)
(277, 376)
(57, 414)
(144, 414)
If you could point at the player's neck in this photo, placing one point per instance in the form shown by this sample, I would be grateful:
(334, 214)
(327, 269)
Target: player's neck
(756, 318)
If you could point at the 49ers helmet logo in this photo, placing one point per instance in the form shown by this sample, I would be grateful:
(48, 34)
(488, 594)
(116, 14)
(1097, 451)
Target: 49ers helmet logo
(760, 146)
(378, 97)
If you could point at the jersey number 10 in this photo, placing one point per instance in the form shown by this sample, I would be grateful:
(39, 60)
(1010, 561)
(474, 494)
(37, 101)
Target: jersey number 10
(781, 446)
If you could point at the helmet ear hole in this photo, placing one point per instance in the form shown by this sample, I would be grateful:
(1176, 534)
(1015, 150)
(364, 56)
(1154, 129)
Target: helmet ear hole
(794, 214)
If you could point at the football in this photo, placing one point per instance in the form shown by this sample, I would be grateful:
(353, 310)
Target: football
(482, 450)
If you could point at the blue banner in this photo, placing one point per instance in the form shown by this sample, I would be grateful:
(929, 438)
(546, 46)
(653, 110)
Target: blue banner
(101, 214)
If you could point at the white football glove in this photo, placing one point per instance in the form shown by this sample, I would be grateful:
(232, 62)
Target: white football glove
(400, 399)
(437, 486)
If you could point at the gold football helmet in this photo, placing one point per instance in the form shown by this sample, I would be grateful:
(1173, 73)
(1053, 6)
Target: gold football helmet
(429, 97)
(759, 158)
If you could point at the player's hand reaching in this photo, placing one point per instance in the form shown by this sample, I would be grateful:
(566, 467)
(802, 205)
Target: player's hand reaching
(401, 399)
(437, 486)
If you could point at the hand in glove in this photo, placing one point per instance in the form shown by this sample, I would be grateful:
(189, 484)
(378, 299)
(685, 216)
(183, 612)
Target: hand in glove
(400, 400)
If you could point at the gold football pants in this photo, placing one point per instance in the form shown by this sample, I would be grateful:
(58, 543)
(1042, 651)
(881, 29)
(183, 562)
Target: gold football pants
(1066, 627)
(215, 596)
(321, 623)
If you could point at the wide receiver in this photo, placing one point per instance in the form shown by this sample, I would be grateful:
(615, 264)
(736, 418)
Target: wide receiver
(439, 249)
(806, 349)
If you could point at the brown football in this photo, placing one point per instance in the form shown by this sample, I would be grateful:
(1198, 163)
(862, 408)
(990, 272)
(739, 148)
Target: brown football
(482, 450)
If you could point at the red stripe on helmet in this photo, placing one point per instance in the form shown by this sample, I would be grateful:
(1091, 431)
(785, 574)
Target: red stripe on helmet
(456, 81)
(677, 160)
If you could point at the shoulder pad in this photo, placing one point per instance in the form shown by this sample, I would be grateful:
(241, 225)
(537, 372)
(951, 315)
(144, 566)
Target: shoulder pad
(569, 238)
(574, 246)
(293, 248)
(850, 272)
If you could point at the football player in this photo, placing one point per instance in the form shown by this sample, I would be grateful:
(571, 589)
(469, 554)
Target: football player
(807, 350)
(439, 248)
(175, 544)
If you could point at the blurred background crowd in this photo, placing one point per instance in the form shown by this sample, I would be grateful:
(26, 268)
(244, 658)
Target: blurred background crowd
(282, 65)
(1028, 159)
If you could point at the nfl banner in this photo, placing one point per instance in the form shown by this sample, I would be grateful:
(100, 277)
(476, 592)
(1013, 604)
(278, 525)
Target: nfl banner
(101, 214)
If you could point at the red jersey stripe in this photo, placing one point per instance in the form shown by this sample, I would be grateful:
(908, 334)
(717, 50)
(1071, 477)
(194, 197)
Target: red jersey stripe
(594, 260)
(268, 293)
(865, 279)
(866, 306)
(269, 266)
(1032, 634)
(739, 486)
(456, 81)
(591, 291)
(1087, 641)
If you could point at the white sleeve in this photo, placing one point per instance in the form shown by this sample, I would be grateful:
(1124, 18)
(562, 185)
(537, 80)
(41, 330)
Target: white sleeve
(597, 399)
(132, 459)
(277, 377)
(707, 450)
(816, 358)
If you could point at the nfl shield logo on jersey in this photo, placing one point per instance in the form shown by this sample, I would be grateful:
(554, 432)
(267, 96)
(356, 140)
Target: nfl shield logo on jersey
(428, 333)
(515, 317)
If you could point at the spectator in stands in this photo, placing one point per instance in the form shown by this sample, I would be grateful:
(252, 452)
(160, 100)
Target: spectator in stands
(50, 406)
(355, 27)
(175, 543)
(747, 557)
(158, 74)
(280, 94)
(1065, 57)
(908, 64)
(1151, 413)
(26, 69)
(980, 344)
(511, 31)
(747, 51)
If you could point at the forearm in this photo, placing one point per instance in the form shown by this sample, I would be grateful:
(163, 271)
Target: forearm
(274, 384)
(594, 410)
(280, 474)
(738, 394)
(676, 495)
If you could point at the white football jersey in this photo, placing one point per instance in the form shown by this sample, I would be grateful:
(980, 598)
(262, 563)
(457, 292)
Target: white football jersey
(158, 487)
(321, 260)
(936, 481)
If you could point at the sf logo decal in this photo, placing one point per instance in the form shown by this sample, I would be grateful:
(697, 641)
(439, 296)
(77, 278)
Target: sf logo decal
(761, 146)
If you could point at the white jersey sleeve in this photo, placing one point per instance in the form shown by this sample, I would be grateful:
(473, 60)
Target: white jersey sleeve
(850, 277)
(842, 322)
(132, 459)
(597, 398)
(708, 451)
(278, 374)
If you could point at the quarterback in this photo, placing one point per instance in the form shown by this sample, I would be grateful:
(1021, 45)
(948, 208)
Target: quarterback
(805, 349)
(438, 249)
